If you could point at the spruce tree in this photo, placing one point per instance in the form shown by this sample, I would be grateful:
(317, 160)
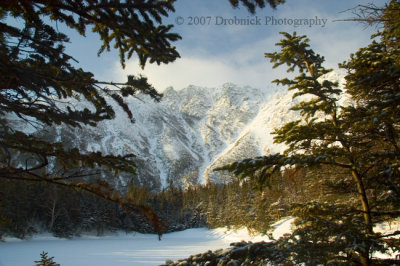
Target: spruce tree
(359, 141)
(45, 260)
(38, 80)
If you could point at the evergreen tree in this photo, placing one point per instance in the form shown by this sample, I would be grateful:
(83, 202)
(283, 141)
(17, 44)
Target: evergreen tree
(358, 141)
(38, 81)
(46, 261)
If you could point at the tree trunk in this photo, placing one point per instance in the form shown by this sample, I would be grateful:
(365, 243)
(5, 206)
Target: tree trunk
(364, 256)
(52, 214)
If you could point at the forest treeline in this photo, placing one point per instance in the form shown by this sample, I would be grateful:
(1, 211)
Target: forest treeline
(30, 208)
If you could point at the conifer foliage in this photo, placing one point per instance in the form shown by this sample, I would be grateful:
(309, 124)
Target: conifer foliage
(253, 4)
(39, 83)
(45, 260)
(360, 141)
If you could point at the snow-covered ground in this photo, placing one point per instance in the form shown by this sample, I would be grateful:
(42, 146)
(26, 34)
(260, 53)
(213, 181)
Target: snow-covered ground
(136, 249)
(125, 249)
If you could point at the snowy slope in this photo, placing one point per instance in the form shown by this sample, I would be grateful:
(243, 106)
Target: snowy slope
(255, 139)
(191, 131)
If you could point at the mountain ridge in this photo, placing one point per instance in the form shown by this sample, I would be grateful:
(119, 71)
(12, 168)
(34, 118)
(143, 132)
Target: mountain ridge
(188, 133)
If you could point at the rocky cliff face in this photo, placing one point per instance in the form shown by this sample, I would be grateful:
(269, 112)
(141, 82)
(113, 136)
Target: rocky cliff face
(190, 132)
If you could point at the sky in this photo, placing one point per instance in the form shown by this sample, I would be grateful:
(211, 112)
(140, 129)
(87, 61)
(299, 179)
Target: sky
(221, 44)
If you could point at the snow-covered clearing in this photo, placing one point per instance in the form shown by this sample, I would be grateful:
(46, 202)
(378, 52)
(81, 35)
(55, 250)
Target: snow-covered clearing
(125, 249)
(136, 249)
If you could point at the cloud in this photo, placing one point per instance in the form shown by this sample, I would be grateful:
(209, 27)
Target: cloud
(239, 67)
(212, 56)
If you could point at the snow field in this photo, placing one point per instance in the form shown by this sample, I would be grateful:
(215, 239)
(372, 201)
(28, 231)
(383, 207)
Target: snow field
(122, 249)
(136, 249)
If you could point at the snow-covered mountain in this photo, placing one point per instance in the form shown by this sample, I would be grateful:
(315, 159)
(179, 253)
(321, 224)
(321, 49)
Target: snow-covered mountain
(190, 132)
